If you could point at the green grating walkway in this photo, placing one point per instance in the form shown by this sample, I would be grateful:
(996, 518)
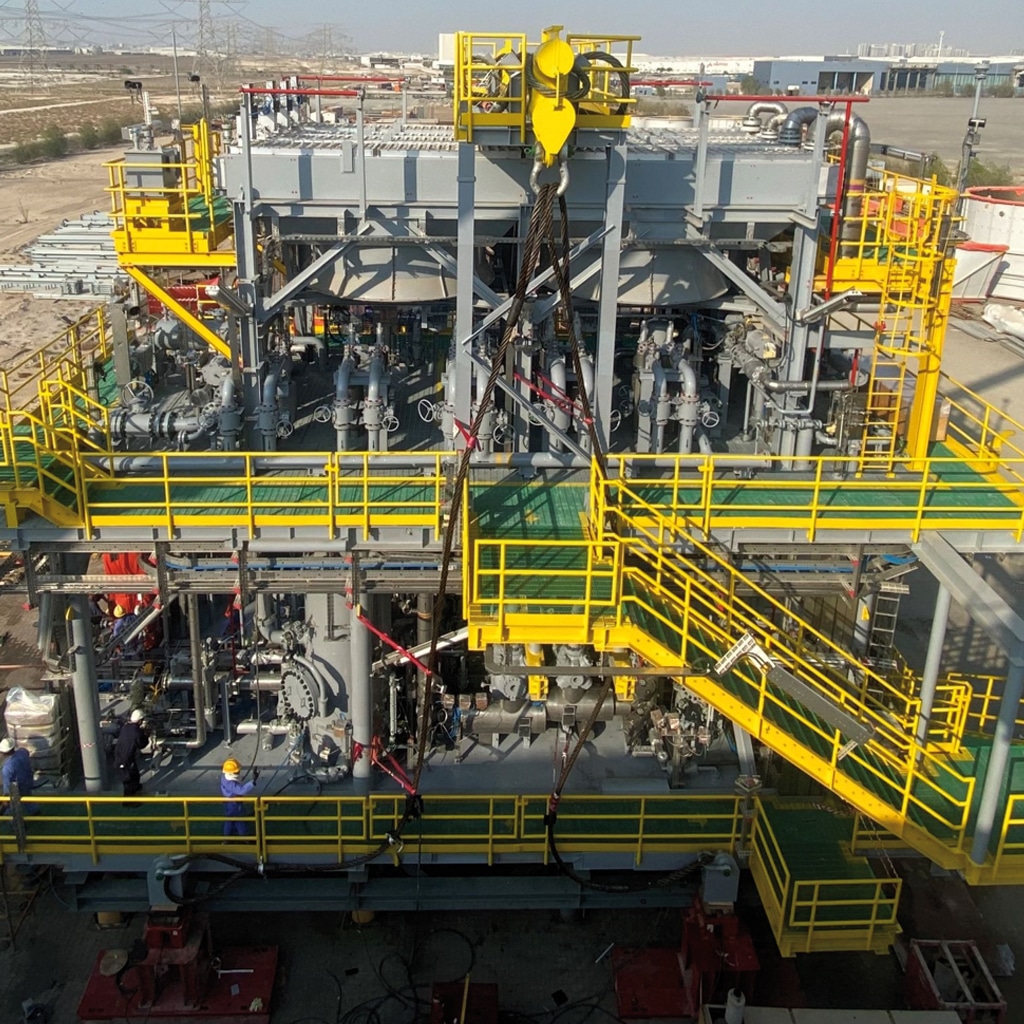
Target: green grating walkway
(529, 511)
(270, 497)
(965, 489)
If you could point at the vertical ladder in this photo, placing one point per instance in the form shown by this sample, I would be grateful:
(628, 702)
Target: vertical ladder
(910, 327)
(883, 622)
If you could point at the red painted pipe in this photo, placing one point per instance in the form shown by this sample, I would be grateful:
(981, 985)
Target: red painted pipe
(275, 91)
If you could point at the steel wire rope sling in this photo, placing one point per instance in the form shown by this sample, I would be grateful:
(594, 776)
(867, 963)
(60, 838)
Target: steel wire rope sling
(538, 230)
(560, 265)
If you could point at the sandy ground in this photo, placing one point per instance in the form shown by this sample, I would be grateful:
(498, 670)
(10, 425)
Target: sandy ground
(35, 199)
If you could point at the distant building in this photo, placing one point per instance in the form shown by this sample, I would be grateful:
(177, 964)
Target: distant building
(813, 76)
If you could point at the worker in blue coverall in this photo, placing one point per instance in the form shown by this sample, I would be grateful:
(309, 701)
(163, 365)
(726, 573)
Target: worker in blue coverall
(17, 769)
(232, 786)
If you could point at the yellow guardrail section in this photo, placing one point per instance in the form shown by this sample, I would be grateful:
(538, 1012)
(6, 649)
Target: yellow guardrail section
(892, 215)
(811, 915)
(339, 496)
(929, 494)
(493, 87)
(49, 386)
(672, 600)
(335, 828)
(168, 213)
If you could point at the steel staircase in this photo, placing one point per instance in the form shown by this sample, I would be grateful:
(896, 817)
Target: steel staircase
(644, 581)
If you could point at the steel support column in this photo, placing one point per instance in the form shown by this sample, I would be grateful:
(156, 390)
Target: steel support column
(360, 696)
(86, 691)
(999, 758)
(930, 677)
(247, 263)
(464, 285)
(611, 247)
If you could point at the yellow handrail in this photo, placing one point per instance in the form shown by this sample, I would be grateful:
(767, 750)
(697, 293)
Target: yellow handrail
(340, 827)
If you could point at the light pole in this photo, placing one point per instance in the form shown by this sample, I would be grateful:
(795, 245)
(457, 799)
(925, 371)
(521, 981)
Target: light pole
(974, 126)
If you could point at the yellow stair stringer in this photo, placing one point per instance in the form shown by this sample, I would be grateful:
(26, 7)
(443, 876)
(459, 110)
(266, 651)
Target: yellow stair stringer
(214, 340)
(708, 689)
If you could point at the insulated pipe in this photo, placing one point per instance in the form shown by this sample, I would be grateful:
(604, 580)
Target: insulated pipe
(498, 717)
(448, 406)
(360, 694)
(267, 414)
(559, 413)
(229, 420)
(858, 150)
(424, 634)
(248, 727)
(661, 407)
(791, 133)
(760, 107)
(86, 691)
(137, 465)
(373, 408)
(344, 412)
(688, 407)
(586, 387)
(124, 423)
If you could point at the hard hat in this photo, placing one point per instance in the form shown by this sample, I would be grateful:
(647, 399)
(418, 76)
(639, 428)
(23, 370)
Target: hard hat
(137, 715)
(6, 745)
(231, 767)
(118, 611)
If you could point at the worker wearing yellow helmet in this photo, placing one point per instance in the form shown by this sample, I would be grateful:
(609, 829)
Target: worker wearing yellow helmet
(236, 815)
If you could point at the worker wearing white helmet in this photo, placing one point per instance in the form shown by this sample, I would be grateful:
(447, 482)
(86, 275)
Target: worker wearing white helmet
(17, 768)
(130, 742)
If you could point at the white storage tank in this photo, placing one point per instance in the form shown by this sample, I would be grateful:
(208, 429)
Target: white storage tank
(994, 215)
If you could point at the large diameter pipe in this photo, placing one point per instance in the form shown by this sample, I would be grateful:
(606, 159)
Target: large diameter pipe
(559, 410)
(688, 407)
(661, 407)
(504, 716)
(86, 691)
(360, 697)
(858, 150)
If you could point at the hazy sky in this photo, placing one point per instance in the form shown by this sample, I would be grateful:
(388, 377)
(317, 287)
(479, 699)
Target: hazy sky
(668, 28)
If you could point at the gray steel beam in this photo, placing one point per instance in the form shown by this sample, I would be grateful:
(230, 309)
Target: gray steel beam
(545, 305)
(1003, 625)
(301, 279)
(999, 758)
(1006, 628)
(604, 365)
(449, 263)
(933, 660)
(775, 311)
(537, 414)
(464, 286)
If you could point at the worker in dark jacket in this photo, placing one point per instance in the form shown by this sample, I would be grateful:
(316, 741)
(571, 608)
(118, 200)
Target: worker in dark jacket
(17, 768)
(130, 741)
